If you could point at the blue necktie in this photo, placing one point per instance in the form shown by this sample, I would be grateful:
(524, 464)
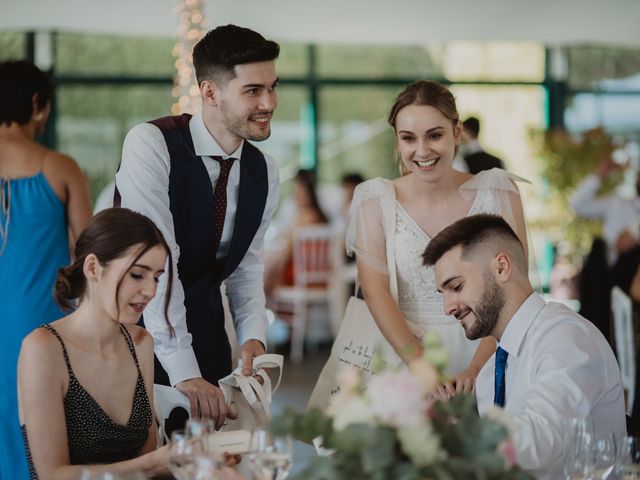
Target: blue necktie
(500, 382)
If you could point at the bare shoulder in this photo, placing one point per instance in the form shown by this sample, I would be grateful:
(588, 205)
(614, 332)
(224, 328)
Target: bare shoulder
(60, 164)
(141, 337)
(41, 347)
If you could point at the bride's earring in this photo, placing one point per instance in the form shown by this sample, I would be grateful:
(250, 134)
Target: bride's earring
(38, 116)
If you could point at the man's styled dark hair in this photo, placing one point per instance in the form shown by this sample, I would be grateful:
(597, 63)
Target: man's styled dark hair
(221, 49)
(19, 82)
(472, 125)
(471, 232)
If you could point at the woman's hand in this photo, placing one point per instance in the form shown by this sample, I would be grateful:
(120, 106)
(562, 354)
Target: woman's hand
(157, 463)
(465, 381)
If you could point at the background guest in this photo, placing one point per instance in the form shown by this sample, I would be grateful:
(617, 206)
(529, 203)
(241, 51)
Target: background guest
(44, 205)
(85, 382)
(349, 182)
(474, 155)
(279, 269)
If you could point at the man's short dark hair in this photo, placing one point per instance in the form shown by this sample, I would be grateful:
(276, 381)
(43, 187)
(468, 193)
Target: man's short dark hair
(221, 49)
(472, 125)
(470, 232)
(352, 178)
(19, 82)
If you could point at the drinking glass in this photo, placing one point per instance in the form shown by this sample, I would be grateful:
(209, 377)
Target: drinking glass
(604, 456)
(208, 467)
(201, 429)
(630, 459)
(579, 461)
(270, 456)
(183, 450)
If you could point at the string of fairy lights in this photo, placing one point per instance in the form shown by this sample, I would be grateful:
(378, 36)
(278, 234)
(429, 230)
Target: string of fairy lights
(192, 27)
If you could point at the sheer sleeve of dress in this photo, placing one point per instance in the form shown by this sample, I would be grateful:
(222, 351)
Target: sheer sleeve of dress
(492, 190)
(365, 236)
(496, 191)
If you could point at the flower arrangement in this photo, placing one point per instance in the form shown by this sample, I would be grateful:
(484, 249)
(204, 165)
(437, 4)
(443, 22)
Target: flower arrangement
(395, 429)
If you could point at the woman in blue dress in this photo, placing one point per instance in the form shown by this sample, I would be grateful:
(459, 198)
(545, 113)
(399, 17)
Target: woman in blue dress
(44, 200)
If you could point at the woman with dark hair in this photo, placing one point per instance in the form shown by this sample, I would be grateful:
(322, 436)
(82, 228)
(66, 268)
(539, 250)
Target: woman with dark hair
(43, 200)
(428, 196)
(279, 270)
(85, 382)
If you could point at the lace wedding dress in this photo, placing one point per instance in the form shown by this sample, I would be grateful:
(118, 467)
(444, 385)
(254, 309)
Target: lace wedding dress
(418, 298)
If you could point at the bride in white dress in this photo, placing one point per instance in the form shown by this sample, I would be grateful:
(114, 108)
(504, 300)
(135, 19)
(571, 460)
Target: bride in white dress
(429, 196)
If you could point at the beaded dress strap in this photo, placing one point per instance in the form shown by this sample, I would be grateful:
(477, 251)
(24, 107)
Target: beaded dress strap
(127, 337)
(54, 332)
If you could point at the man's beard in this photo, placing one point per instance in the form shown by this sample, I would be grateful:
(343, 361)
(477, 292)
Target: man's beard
(487, 312)
(241, 126)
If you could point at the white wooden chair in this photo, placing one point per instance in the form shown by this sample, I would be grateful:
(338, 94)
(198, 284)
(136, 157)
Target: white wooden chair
(317, 260)
(165, 399)
(621, 307)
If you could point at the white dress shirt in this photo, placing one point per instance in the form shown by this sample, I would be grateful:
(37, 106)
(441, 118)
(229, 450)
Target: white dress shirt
(617, 213)
(143, 182)
(559, 367)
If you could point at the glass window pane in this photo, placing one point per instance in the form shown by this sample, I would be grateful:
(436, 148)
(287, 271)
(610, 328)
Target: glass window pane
(12, 45)
(616, 113)
(376, 61)
(114, 55)
(492, 61)
(292, 61)
(354, 134)
(507, 115)
(93, 122)
(588, 66)
(457, 61)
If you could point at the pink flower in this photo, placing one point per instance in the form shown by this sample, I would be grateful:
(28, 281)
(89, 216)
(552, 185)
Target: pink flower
(508, 451)
(398, 399)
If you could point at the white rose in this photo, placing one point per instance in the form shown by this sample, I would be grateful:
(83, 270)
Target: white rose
(355, 410)
(421, 444)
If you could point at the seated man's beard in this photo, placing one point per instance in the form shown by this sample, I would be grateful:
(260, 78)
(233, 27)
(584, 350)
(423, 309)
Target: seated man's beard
(487, 311)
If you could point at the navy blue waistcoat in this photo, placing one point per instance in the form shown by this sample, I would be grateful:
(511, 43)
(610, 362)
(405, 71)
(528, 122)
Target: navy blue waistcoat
(192, 208)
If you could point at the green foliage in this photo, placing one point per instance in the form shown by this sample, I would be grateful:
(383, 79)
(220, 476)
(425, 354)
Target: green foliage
(564, 162)
(372, 451)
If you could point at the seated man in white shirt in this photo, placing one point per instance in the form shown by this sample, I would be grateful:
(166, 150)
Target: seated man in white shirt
(558, 365)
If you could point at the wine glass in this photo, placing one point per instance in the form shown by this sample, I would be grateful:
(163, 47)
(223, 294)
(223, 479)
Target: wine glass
(208, 467)
(630, 459)
(270, 456)
(604, 456)
(201, 429)
(579, 460)
(183, 450)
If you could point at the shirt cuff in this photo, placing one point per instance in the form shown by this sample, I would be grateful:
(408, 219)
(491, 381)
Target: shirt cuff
(255, 331)
(180, 365)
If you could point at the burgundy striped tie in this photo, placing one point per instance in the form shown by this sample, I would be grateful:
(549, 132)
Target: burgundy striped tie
(220, 197)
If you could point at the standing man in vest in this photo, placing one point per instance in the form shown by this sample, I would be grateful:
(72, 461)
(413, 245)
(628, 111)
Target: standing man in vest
(212, 194)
